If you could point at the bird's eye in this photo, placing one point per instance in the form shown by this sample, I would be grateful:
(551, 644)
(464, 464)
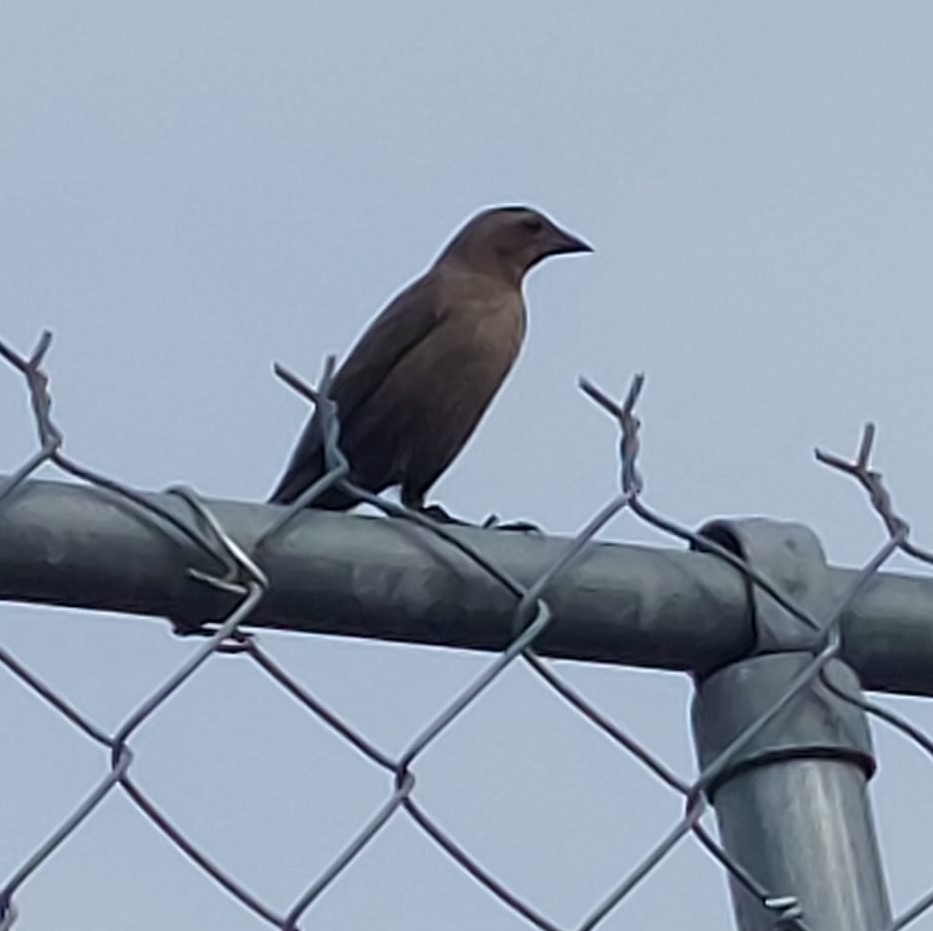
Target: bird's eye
(533, 225)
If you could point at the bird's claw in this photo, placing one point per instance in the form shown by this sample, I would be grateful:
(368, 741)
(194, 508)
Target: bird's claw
(520, 526)
(436, 513)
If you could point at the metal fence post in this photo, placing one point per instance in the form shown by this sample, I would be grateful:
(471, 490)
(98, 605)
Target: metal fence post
(792, 807)
(792, 803)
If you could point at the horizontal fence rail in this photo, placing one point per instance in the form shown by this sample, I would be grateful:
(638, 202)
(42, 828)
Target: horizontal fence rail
(85, 547)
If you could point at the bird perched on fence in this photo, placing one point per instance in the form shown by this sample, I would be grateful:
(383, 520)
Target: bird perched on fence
(418, 381)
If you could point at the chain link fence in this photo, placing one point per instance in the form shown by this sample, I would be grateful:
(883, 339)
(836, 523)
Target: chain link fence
(240, 575)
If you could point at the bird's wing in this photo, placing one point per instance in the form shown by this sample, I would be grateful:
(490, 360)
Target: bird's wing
(404, 323)
(401, 326)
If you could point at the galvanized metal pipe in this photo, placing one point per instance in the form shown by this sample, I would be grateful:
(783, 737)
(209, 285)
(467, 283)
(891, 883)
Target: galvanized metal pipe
(792, 805)
(85, 547)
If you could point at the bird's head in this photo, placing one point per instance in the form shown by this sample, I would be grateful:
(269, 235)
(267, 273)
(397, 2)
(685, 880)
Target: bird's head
(509, 241)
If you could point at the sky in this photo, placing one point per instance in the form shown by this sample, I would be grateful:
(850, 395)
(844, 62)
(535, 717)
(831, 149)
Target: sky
(192, 190)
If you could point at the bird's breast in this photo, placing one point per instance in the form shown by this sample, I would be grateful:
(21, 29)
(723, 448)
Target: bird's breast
(456, 371)
(480, 343)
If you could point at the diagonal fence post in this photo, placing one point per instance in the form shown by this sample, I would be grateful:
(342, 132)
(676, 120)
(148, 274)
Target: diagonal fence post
(789, 786)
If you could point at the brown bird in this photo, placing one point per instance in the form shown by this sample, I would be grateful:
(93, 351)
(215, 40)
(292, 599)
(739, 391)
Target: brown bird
(421, 376)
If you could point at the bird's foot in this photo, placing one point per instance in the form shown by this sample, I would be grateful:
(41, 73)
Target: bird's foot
(520, 526)
(436, 513)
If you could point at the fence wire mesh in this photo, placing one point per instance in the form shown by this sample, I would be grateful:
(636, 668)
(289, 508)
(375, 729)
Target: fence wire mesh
(240, 573)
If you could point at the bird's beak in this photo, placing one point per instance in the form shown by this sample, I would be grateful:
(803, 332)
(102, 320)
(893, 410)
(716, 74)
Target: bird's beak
(563, 242)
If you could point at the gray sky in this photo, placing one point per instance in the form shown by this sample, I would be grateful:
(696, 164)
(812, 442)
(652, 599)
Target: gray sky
(190, 190)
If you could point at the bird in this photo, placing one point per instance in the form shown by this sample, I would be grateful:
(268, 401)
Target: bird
(416, 384)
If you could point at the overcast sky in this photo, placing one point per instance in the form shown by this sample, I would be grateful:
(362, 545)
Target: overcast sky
(191, 190)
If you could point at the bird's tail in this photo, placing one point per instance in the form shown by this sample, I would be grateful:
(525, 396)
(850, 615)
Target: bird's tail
(294, 484)
(305, 467)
